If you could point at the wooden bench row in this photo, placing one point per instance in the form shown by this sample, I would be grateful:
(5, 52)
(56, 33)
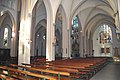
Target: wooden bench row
(22, 75)
(56, 70)
(88, 66)
(59, 72)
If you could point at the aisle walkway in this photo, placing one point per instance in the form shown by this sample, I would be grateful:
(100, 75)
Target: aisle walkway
(109, 72)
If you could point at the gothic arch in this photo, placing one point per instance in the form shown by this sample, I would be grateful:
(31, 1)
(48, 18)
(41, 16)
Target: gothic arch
(91, 25)
(7, 13)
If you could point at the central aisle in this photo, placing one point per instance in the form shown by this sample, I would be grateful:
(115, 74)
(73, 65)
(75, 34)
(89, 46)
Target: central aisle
(109, 72)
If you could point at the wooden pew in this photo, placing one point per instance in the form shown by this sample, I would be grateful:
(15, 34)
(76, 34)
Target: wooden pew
(46, 71)
(41, 70)
(26, 74)
(4, 77)
(74, 73)
(51, 71)
(70, 73)
(84, 66)
(12, 73)
(80, 70)
(92, 67)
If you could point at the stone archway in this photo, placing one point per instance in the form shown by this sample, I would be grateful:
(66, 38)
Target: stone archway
(40, 41)
(38, 24)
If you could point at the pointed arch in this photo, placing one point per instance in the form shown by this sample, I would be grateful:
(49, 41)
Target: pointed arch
(7, 13)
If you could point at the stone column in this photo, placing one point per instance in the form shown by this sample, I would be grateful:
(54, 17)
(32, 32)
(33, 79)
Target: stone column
(50, 40)
(85, 45)
(81, 45)
(64, 41)
(24, 36)
(69, 44)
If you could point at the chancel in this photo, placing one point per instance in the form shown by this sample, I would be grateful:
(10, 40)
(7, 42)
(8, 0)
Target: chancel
(59, 39)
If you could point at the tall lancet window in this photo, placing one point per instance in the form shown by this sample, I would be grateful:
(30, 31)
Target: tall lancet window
(74, 36)
(75, 29)
(105, 34)
(105, 38)
(74, 25)
(5, 40)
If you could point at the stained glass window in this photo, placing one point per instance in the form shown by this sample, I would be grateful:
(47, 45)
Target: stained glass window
(5, 41)
(75, 45)
(74, 25)
(105, 34)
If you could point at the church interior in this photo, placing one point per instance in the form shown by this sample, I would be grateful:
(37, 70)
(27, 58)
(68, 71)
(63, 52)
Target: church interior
(59, 39)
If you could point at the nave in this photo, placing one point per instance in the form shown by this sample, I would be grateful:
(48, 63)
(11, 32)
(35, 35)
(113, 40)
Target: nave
(57, 29)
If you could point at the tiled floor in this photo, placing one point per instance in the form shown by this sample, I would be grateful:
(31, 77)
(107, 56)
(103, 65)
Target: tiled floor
(109, 72)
